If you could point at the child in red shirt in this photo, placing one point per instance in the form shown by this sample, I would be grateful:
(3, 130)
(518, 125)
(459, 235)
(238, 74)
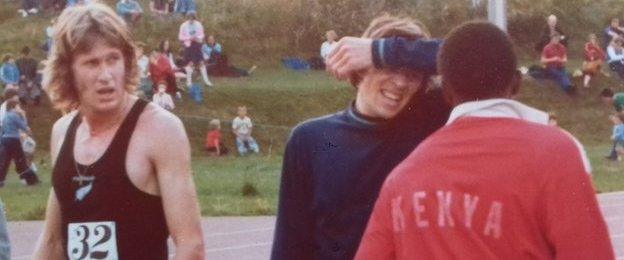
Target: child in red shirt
(496, 182)
(594, 57)
(213, 143)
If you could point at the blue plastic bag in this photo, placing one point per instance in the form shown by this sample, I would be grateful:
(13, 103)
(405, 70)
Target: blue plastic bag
(196, 93)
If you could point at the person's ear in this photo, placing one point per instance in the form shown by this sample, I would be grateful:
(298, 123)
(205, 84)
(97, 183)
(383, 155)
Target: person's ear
(516, 81)
(448, 93)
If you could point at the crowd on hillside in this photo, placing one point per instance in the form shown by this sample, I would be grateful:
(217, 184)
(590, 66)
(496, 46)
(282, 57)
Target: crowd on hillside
(553, 49)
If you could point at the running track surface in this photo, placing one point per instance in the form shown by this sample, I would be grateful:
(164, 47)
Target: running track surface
(242, 238)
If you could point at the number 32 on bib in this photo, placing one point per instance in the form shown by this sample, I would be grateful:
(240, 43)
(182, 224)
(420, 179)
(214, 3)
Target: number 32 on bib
(92, 240)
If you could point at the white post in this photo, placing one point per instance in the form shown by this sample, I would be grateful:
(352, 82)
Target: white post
(497, 13)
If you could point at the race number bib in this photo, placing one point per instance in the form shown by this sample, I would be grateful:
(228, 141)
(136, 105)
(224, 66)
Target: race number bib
(92, 240)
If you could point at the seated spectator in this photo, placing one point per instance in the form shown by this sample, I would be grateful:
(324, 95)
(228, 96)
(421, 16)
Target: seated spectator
(12, 124)
(211, 50)
(28, 7)
(615, 54)
(217, 63)
(192, 36)
(159, 7)
(160, 71)
(29, 84)
(129, 10)
(618, 134)
(9, 73)
(612, 31)
(162, 99)
(328, 45)
(184, 6)
(213, 144)
(551, 29)
(554, 58)
(594, 57)
(242, 127)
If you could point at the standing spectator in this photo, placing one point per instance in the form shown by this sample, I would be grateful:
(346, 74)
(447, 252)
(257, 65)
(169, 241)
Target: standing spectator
(551, 29)
(49, 31)
(162, 98)
(468, 191)
(554, 57)
(613, 31)
(617, 101)
(160, 71)
(29, 7)
(29, 85)
(184, 6)
(213, 144)
(242, 127)
(329, 44)
(12, 123)
(618, 134)
(130, 11)
(594, 57)
(192, 36)
(9, 73)
(615, 54)
(143, 62)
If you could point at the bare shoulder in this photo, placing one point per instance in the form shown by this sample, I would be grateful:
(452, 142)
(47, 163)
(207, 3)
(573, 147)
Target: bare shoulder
(159, 124)
(61, 125)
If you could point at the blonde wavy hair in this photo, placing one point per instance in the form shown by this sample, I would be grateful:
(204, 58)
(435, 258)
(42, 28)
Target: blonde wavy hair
(387, 26)
(75, 31)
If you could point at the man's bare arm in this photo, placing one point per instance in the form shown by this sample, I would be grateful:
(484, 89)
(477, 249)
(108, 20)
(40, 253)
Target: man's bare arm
(50, 244)
(173, 170)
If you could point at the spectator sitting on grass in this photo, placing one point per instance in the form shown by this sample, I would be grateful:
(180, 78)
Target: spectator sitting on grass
(130, 11)
(9, 72)
(160, 70)
(143, 63)
(615, 54)
(594, 57)
(213, 143)
(217, 63)
(242, 127)
(618, 134)
(162, 98)
(554, 58)
(613, 31)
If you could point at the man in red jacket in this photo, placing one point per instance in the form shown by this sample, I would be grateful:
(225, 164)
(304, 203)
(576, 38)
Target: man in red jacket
(496, 182)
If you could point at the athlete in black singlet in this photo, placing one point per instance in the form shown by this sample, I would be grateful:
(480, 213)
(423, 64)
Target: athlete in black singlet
(122, 180)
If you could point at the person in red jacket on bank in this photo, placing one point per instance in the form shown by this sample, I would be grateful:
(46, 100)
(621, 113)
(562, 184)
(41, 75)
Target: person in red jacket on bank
(496, 182)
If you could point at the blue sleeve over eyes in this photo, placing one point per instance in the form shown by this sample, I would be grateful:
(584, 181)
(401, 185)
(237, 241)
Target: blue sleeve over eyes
(397, 52)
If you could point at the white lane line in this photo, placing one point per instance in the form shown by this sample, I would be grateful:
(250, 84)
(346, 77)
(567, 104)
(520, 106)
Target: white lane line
(607, 194)
(21, 257)
(612, 205)
(239, 232)
(236, 247)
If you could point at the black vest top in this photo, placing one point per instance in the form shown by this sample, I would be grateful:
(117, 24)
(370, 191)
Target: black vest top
(102, 192)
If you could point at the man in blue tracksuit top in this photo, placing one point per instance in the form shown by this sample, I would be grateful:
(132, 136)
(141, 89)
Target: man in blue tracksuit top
(334, 165)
